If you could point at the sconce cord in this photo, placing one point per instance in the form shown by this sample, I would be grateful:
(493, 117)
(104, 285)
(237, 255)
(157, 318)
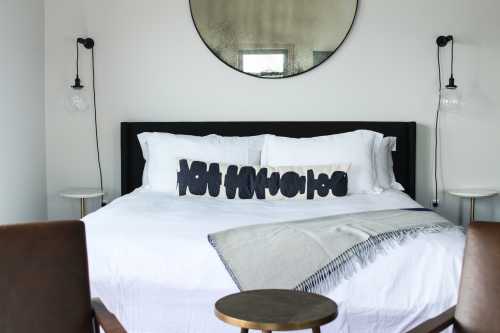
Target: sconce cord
(452, 55)
(436, 132)
(96, 129)
(77, 59)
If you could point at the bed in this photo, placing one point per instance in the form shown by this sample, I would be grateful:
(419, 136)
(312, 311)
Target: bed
(150, 260)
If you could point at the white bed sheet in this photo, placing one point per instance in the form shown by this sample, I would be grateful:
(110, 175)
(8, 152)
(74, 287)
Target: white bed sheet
(151, 263)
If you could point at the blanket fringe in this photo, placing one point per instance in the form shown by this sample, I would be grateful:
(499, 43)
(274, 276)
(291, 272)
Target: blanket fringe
(359, 256)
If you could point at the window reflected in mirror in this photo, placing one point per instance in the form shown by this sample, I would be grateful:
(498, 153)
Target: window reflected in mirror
(264, 63)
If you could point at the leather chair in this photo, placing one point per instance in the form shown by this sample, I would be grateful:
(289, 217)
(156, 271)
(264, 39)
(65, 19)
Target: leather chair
(478, 308)
(44, 281)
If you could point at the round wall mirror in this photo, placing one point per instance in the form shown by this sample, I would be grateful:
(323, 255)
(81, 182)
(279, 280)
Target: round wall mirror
(273, 38)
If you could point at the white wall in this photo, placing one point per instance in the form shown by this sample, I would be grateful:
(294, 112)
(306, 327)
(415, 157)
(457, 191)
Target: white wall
(22, 130)
(152, 66)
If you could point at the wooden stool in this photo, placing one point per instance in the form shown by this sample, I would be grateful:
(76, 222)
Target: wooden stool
(276, 310)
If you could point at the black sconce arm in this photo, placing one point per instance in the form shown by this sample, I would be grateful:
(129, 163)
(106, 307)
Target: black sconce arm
(442, 41)
(88, 43)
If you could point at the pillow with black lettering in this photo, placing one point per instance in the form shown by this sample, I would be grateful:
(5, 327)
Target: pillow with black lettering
(197, 178)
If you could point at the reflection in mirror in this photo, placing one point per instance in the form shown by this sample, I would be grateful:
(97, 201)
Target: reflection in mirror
(273, 38)
(264, 62)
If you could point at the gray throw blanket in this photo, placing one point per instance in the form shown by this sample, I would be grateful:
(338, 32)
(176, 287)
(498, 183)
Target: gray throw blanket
(315, 255)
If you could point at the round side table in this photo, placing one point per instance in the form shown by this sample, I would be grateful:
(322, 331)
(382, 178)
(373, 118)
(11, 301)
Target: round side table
(82, 194)
(473, 194)
(276, 310)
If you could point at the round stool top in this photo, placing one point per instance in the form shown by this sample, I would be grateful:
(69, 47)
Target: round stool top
(82, 193)
(473, 193)
(276, 310)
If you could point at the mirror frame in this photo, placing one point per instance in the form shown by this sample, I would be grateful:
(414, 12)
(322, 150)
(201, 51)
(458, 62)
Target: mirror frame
(274, 78)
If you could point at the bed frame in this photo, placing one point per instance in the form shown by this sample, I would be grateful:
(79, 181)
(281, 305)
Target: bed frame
(132, 163)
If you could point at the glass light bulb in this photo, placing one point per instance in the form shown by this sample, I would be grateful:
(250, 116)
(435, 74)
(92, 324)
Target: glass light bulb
(451, 99)
(77, 100)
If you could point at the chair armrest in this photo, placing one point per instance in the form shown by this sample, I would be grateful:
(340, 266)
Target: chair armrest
(106, 319)
(436, 324)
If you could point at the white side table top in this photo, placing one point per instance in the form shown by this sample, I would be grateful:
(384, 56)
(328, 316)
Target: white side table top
(82, 193)
(473, 193)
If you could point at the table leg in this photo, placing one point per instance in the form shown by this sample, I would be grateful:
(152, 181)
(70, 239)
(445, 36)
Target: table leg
(267, 331)
(316, 330)
(82, 207)
(244, 330)
(472, 209)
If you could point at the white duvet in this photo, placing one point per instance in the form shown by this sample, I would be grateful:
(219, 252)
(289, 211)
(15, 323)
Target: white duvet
(151, 263)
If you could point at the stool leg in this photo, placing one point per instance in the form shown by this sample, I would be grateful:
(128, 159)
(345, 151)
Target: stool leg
(316, 330)
(244, 330)
(82, 207)
(472, 210)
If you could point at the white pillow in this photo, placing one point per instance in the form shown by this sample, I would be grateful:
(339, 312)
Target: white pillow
(254, 146)
(354, 148)
(143, 141)
(385, 164)
(163, 150)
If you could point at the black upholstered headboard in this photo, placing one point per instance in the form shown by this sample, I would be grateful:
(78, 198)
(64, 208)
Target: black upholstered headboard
(404, 157)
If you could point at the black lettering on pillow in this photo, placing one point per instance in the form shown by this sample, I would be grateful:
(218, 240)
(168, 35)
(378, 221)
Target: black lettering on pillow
(336, 183)
(291, 184)
(243, 181)
(339, 184)
(194, 178)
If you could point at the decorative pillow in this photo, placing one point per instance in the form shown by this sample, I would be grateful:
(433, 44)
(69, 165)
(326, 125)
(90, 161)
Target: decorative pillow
(249, 152)
(252, 182)
(385, 164)
(354, 148)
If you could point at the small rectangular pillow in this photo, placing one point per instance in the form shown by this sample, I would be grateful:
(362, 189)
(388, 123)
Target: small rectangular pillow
(198, 178)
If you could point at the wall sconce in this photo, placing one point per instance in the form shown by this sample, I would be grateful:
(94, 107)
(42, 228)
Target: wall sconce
(450, 99)
(78, 100)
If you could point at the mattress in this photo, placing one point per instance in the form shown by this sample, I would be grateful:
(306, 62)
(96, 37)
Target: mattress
(151, 263)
